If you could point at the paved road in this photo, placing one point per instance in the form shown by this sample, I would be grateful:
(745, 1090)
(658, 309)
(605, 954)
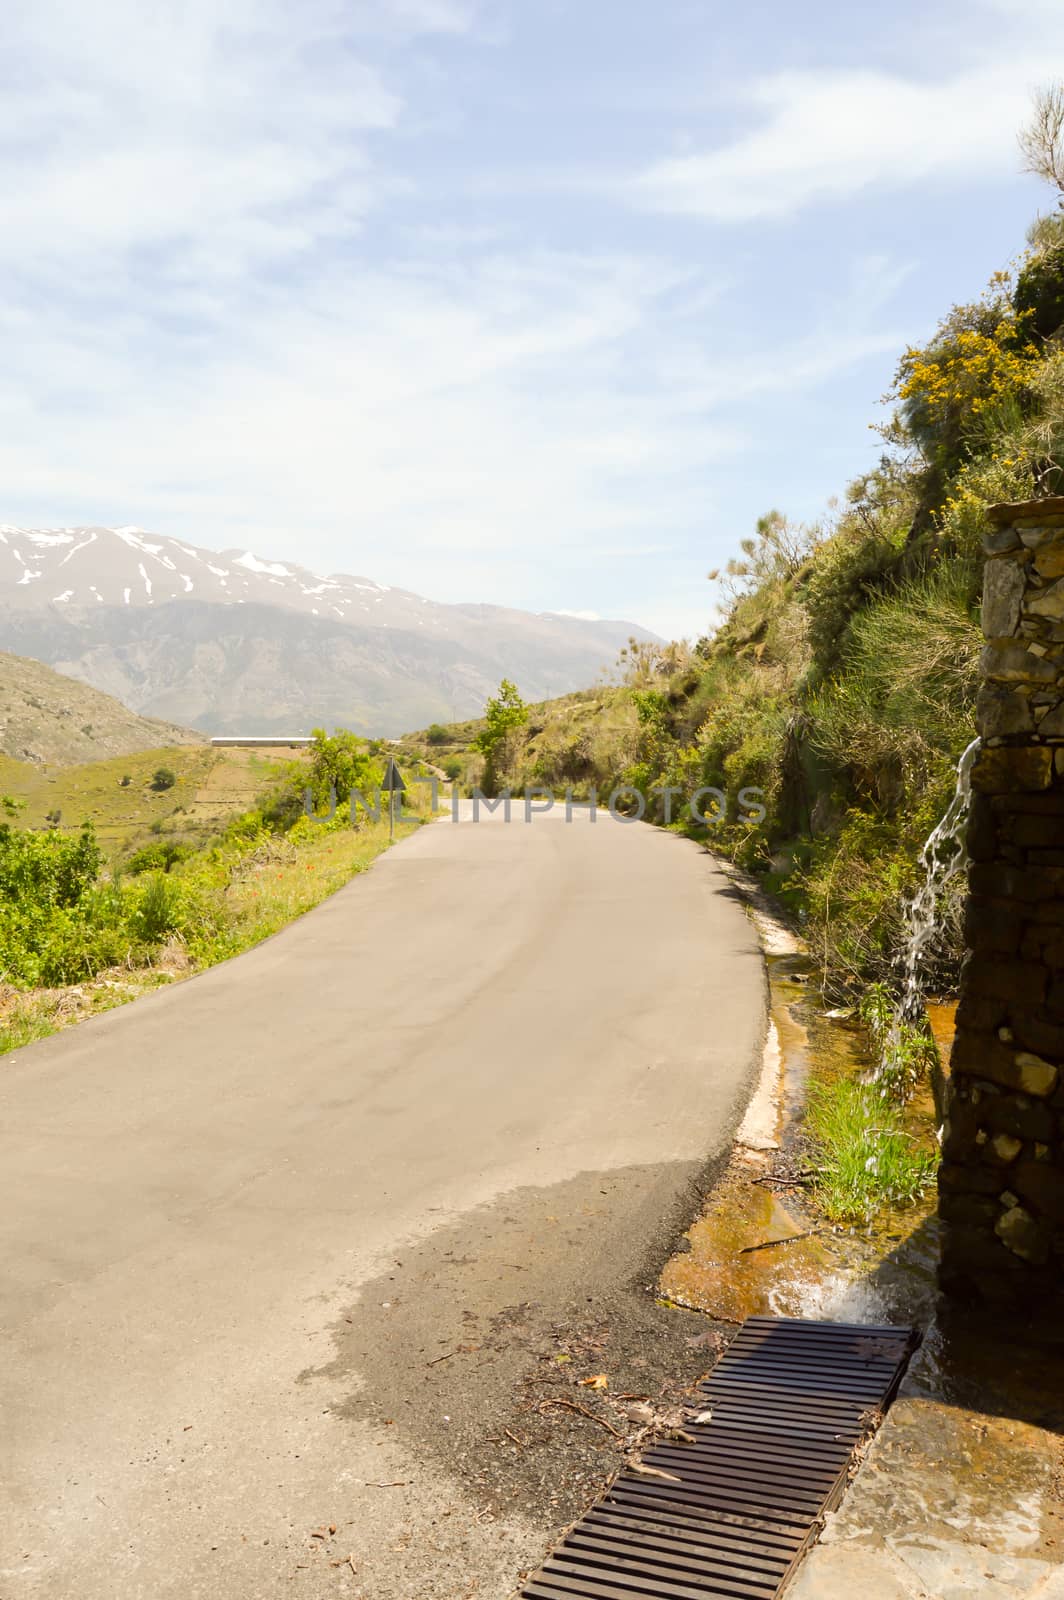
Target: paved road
(240, 1218)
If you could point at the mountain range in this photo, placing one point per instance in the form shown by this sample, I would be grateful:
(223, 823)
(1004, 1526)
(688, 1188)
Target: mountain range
(231, 642)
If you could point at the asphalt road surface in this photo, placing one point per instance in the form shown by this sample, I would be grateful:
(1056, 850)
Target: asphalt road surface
(285, 1249)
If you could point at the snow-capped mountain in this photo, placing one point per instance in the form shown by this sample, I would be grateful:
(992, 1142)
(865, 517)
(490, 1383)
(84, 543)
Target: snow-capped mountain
(227, 640)
(75, 567)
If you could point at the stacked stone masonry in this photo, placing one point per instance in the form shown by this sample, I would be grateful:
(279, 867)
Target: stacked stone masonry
(1001, 1183)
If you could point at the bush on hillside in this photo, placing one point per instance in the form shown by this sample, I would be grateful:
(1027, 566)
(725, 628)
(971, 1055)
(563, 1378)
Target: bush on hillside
(46, 868)
(1040, 290)
(49, 905)
(158, 857)
(980, 355)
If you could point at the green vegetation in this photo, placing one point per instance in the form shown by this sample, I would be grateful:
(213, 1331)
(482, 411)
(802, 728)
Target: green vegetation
(79, 932)
(47, 902)
(339, 764)
(503, 715)
(865, 1158)
(163, 778)
(158, 857)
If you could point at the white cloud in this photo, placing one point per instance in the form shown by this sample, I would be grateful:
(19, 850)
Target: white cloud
(448, 429)
(214, 326)
(432, 16)
(200, 137)
(826, 135)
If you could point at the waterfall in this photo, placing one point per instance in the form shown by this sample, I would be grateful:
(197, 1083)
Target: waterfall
(943, 856)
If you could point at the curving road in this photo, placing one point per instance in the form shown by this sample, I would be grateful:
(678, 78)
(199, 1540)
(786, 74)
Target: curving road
(277, 1244)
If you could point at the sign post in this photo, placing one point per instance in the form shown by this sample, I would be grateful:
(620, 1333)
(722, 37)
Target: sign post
(393, 785)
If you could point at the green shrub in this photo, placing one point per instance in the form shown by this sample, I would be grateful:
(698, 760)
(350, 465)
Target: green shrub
(158, 857)
(163, 778)
(437, 734)
(848, 570)
(1040, 290)
(46, 868)
(157, 911)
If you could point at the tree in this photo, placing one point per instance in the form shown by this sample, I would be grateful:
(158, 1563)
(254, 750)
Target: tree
(778, 551)
(163, 778)
(503, 713)
(339, 763)
(1042, 140)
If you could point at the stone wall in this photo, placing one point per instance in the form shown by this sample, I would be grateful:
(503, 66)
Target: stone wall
(1001, 1184)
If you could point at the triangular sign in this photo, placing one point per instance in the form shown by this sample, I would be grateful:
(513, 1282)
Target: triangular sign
(393, 778)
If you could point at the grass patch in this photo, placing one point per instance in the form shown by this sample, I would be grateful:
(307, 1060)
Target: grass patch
(277, 881)
(866, 1160)
(25, 1023)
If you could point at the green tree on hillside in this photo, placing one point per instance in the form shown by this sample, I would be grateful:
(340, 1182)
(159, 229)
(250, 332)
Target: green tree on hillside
(503, 714)
(339, 763)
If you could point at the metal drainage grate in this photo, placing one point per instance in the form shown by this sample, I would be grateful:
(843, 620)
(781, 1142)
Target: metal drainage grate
(790, 1403)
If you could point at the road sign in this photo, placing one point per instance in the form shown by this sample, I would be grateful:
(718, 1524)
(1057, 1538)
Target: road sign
(393, 785)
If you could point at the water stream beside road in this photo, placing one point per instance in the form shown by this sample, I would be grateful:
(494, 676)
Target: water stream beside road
(735, 1260)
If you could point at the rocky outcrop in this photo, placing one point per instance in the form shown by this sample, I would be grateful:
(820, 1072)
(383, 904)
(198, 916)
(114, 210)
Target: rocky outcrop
(1001, 1183)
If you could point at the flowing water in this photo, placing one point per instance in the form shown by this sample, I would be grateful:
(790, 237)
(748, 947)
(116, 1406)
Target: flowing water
(756, 1248)
(943, 856)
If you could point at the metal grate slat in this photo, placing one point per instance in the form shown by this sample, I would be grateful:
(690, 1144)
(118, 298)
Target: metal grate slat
(785, 1407)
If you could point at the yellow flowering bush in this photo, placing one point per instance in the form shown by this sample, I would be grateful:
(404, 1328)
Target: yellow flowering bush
(968, 372)
(982, 482)
(981, 357)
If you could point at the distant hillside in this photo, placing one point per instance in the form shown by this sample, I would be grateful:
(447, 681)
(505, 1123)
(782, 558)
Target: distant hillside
(46, 717)
(117, 794)
(231, 642)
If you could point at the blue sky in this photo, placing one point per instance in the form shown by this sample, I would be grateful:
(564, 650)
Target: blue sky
(537, 302)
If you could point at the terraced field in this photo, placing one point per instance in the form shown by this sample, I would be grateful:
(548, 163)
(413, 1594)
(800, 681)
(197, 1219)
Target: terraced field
(117, 794)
